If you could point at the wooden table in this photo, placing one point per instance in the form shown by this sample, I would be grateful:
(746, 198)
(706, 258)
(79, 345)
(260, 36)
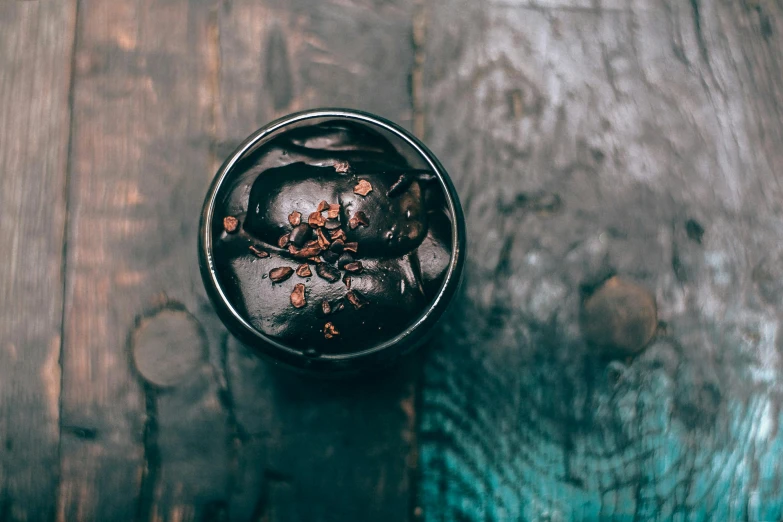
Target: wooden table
(641, 139)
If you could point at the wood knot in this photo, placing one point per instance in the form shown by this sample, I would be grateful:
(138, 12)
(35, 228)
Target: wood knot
(767, 277)
(619, 318)
(168, 346)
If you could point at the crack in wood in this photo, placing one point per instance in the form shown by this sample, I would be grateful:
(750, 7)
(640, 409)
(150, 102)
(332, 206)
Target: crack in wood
(66, 222)
(145, 503)
(695, 7)
(237, 435)
(277, 72)
(536, 6)
(216, 511)
(413, 459)
(418, 41)
(264, 505)
(80, 432)
(6, 505)
(215, 67)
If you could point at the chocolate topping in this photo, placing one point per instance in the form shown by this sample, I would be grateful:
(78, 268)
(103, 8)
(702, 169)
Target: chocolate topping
(304, 270)
(338, 195)
(298, 296)
(344, 259)
(259, 252)
(356, 299)
(330, 256)
(332, 224)
(280, 274)
(330, 331)
(323, 241)
(300, 235)
(354, 267)
(337, 234)
(342, 167)
(327, 272)
(316, 219)
(362, 188)
(230, 224)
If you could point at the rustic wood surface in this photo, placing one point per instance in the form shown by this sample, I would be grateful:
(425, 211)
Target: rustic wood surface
(36, 42)
(122, 112)
(636, 138)
(148, 445)
(607, 152)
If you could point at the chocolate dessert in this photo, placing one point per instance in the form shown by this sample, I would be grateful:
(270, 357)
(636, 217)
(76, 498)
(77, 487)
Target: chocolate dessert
(329, 240)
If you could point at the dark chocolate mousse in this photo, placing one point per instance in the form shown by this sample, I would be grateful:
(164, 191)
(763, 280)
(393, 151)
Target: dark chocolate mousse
(330, 240)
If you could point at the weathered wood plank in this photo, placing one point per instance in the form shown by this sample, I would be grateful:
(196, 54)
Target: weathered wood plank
(280, 56)
(644, 139)
(152, 438)
(36, 39)
(316, 450)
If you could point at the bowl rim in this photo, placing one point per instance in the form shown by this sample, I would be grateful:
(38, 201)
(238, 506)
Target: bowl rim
(431, 313)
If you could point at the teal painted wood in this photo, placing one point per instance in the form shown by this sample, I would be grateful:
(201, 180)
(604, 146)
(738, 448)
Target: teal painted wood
(584, 137)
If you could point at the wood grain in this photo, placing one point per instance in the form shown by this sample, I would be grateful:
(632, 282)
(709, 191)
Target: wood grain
(316, 450)
(280, 56)
(36, 39)
(151, 442)
(642, 139)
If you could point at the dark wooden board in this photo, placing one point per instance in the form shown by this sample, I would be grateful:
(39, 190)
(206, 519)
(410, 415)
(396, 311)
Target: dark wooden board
(169, 418)
(331, 451)
(149, 434)
(643, 139)
(36, 39)
(588, 138)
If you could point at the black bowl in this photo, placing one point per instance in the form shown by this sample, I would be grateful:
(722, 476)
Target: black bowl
(330, 364)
